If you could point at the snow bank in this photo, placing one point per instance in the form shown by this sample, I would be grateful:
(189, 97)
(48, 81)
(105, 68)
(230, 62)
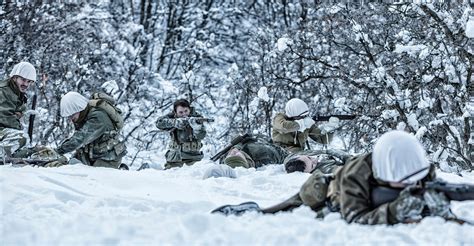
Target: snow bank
(79, 205)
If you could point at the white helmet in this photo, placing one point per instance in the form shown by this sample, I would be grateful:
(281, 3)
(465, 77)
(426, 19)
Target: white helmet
(296, 107)
(399, 157)
(72, 103)
(25, 70)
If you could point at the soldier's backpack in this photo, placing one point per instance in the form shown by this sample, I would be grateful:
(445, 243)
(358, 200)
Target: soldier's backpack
(107, 103)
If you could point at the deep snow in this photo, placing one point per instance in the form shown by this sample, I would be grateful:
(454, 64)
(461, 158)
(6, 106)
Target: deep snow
(80, 205)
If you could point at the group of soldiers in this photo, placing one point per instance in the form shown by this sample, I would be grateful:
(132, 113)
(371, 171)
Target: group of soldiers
(338, 182)
(97, 122)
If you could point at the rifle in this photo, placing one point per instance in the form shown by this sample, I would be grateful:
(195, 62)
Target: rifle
(201, 120)
(234, 142)
(31, 121)
(339, 116)
(456, 192)
(26, 161)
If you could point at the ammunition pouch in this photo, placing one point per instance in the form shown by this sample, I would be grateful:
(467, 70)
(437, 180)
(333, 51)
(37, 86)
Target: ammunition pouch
(186, 147)
(113, 143)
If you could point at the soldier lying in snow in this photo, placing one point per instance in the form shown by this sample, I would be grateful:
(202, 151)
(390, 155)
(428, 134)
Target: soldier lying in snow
(252, 152)
(398, 161)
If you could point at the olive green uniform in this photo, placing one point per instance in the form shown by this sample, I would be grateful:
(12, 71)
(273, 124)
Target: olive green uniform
(12, 104)
(259, 152)
(185, 145)
(350, 192)
(95, 140)
(285, 134)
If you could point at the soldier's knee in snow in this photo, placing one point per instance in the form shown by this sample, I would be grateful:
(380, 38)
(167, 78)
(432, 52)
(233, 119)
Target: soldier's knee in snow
(313, 193)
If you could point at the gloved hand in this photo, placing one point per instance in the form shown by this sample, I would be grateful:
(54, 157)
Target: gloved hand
(304, 123)
(194, 124)
(181, 123)
(44, 153)
(438, 204)
(330, 126)
(407, 207)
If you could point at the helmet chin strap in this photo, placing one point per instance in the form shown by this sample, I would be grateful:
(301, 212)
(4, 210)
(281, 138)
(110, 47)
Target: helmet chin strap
(413, 174)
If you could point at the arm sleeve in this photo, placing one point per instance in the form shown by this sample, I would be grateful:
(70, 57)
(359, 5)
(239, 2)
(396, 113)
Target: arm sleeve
(316, 135)
(165, 123)
(7, 112)
(355, 197)
(283, 125)
(93, 129)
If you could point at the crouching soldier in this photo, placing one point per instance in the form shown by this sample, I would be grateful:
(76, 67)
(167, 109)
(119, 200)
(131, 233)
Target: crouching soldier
(398, 162)
(97, 125)
(13, 105)
(292, 128)
(186, 130)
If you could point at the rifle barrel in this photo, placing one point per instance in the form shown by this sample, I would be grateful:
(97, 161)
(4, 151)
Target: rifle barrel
(339, 116)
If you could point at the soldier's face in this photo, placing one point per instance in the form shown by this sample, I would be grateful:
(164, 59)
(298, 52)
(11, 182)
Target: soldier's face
(74, 117)
(182, 112)
(22, 83)
(310, 163)
(236, 152)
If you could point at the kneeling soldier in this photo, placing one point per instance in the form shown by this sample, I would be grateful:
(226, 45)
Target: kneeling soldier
(97, 124)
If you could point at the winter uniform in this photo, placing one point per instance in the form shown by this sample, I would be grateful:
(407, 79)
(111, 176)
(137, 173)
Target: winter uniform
(96, 139)
(12, 104)
(285, 134)
(398, 159)
(259, 152)
(350, 193)
(185, 145)
(398, 167)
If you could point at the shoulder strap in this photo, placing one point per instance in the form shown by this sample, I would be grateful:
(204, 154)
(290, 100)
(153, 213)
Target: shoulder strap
(114, 113)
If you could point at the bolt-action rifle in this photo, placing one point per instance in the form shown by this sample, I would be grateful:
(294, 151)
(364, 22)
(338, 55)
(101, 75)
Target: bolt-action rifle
(201, 119)
(27, 161)
(456, 192)
(339, 116)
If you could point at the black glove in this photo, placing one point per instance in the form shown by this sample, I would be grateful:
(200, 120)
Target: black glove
(438, 204)
(407, 207)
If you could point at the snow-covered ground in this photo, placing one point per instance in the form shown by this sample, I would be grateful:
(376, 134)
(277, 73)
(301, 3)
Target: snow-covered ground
(80, 205)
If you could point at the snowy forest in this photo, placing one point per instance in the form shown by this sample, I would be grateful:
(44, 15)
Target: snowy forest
(396, 66)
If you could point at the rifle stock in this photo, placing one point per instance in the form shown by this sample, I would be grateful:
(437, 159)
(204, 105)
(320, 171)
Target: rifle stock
(455, 192)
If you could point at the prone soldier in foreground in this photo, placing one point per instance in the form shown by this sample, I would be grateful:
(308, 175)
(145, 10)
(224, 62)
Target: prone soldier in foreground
(398, 162)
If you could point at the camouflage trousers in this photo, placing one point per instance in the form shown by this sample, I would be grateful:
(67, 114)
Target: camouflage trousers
(11, 140)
